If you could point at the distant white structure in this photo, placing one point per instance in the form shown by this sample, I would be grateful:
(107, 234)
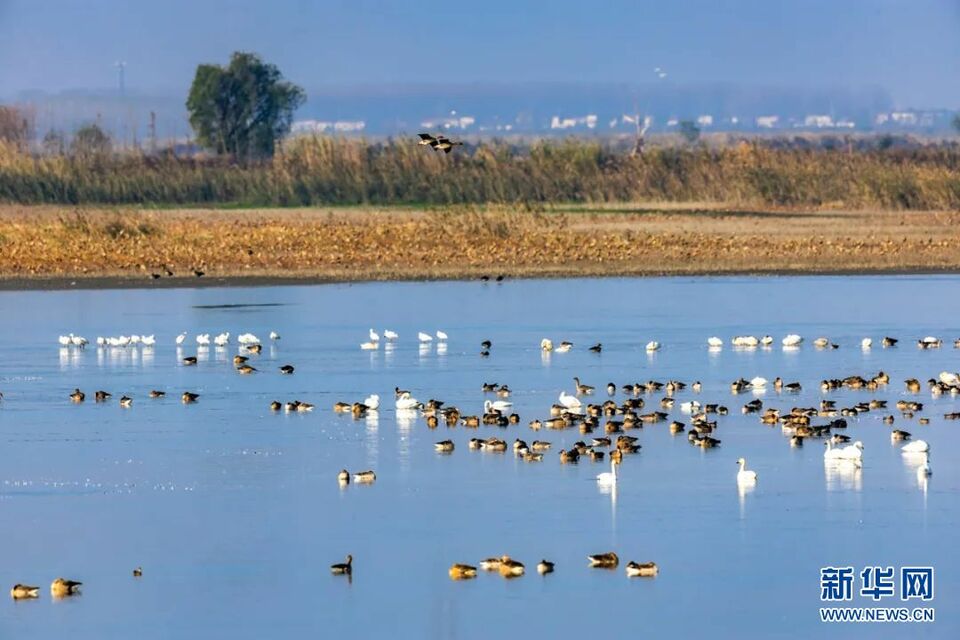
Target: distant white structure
(589, 121)
(456, 122)
(818, 122)
(322, 126)
(705, 120)
(767, 122)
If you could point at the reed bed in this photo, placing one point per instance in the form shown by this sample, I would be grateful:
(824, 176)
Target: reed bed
(319, 171)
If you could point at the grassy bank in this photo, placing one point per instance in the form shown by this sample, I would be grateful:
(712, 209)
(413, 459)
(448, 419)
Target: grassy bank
(327, 171)
(40, 243)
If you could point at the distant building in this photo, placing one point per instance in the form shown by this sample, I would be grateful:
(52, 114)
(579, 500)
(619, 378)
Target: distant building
(459, 122)
(818, 122)
(705, 121)
(322, 126)
(767, 122)
(589, 121)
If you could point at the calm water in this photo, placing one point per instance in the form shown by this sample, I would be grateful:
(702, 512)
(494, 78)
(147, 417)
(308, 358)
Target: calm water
(235, 514)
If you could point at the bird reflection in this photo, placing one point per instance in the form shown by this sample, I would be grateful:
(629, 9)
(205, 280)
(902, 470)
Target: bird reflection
(843, 474)
(610, 490)
(545, 357)
(743, 490)
(442, 349)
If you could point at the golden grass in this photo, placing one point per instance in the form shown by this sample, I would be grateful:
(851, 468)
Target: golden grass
(383, 244)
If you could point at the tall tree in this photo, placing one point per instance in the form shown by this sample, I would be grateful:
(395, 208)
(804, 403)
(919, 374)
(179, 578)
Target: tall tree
(244, 108)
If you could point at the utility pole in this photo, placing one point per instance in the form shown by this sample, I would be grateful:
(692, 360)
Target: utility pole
(120, 65)
(153, 132)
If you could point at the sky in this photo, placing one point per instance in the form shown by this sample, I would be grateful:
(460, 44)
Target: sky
(910, 48)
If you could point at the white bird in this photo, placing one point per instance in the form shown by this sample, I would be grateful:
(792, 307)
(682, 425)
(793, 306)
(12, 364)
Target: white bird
(690, 407)
(759, 383)
(653, 345)
(114, 342)
(78, 341)
(564, 347)
(123, 341)
(248, 338)
(853, 451)
(866, 343)
(766, 341)
(546, 344)
(65, 341)
(274, 335)
(924, 469)
(181, 337)
(570, 402)
(390, 335)
(372, 402)
(134, 339)
(949, 379)
(441, 336)
(101, 341)
(821, 342)
(745, 341)
(714, 341)
(406, 402)
(374, 337)
(424, 337)
(792, 340)
(203, 339)
(148, 341)
(369, 346)
(832, 454)
(609, 478)
(917, 446)
(490, 406)
(745, 476)
(222, 339)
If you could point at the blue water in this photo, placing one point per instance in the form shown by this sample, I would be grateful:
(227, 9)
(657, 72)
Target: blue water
(234, 512)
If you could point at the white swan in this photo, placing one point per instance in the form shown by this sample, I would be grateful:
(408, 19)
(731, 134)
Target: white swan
(202, 339)
(64, 341)
(369, 346)
(766, 341)
(248, 338)
(546, 344)
(924, 469)
(181, 337)
(917, 446)
(101, 341)
(372, 402)
(134, 339)
(570, 402)
(148, 341)
(274, 335)
(792, 340)
(745, 476)
(374, 336)
(821, 342)
(407, 402)
(78, 341)
(853, 451)
(866, 343)
(653, 345)
(759, 383)
(831, 453)
(608, 478)
(424, 337)
(714, 341)
(222, 340)
(949, 379)
(390, 335)
(690, 407)
(745, 341)
(441, 336)
(496, 405)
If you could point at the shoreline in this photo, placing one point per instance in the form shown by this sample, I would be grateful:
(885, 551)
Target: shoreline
(105, 283)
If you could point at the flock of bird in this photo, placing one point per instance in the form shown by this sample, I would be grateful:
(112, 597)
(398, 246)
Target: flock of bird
(573, 410)
(391, 337)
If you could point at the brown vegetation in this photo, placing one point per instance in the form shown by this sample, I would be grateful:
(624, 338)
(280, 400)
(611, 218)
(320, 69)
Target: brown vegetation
(382, 244)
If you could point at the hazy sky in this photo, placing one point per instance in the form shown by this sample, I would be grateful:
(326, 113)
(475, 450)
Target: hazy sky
(909, 47)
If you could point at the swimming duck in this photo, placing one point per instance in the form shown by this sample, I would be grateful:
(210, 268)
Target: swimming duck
(255, 348)
(644, 569)
(597, 348)
(532, 457)
(245, 369)
(126, 402)
(345, 568)
(287, 369)
(462, 572)
(490, 564)
(61, 588)
(486, 344)
(23, 591)
(77, 395)
(240, 359)
(276, 405)
(569, 457)
(544, 567)
(889, 342)
(604, 560)
(188, 397)
(653, 345)
(582, 389)
(155, 393)
(899, 434)
(341, 407)
(509, 567)
(564, 347)
(365, 477)
(138, 572)
(540, 445)
(343, 477)
(444, 446)
(190, 360)
(101, 396)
